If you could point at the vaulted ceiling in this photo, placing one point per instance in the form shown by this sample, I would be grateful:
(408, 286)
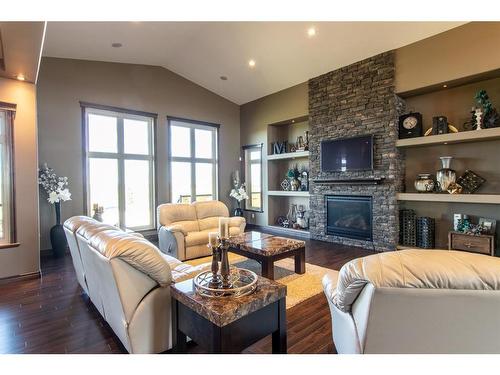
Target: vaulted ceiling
(284, 53)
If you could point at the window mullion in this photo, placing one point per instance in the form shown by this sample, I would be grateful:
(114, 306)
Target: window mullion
(121, 172)
(193, 166)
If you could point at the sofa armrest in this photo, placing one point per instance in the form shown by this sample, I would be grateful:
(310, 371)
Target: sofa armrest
(238, 222)
(171, 241)
(329, 281)
(176, 228)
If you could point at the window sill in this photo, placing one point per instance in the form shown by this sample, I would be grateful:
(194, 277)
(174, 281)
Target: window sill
(9, 245)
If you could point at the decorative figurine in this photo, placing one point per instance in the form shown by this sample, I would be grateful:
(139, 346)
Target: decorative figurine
(491, 118)
(478, 114)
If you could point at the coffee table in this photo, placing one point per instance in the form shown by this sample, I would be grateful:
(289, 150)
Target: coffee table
(267, 249)
(229, 325)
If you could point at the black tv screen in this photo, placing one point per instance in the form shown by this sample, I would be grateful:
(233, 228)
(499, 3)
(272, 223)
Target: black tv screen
(348, 154)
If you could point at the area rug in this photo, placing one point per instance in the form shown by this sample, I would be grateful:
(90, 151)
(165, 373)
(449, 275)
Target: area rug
(299, 287)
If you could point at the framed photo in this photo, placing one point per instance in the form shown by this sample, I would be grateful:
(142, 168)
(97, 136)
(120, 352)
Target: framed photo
(489, 224)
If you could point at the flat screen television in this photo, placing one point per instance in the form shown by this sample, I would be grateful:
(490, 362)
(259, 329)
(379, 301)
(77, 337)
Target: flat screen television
(347, 154)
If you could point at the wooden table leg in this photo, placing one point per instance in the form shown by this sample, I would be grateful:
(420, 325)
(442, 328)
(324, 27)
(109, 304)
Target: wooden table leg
(179, 339)
(268, 268)
(300, 262)
(279, 336)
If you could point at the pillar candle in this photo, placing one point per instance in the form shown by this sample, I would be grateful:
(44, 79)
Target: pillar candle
(224, 227)
(212, 239)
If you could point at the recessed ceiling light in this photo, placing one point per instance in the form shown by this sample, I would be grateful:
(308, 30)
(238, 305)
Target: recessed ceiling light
(116, 45)
(20, 77)
(251, 63)
(224, 78)
(445, 86)
(311, 31)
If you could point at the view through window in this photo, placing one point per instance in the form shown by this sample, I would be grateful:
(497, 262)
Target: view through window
(193, 161)
(253, 176)
(6, 187)
(120, 167)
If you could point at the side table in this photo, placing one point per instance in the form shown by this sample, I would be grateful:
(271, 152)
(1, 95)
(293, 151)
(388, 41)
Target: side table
(229, 325)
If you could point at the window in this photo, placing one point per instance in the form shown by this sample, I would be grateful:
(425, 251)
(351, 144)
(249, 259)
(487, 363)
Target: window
(119, 162)
(193, 161)
(7, 232)
(253, 176)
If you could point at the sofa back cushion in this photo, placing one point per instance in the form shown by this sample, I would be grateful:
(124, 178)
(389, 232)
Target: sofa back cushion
(208, 213)
(138, 252)
(179, 214)
(436, 269)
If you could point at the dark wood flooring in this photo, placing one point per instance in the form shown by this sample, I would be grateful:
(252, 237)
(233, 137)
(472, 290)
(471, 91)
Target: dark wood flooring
(50, 314)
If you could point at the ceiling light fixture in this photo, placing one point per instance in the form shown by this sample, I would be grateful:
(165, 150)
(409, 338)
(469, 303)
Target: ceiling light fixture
(116, 45)
(311, 32)
(251, 63)
(445, 86)
(224, 78)
(21, 77)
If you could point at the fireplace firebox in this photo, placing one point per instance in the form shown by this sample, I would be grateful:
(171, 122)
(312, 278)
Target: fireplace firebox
(349, 216)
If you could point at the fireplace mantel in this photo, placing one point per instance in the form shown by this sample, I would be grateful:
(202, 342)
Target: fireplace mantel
(349, 181)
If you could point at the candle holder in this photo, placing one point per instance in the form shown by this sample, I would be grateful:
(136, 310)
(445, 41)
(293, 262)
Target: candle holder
(224, 263)
(216, 281)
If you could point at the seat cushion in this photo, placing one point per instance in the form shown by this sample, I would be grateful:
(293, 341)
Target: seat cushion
(436, 269)
(185, 271)
(198, 238)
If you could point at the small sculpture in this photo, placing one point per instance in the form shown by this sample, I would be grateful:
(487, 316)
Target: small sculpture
(478, 114)
(491, 118)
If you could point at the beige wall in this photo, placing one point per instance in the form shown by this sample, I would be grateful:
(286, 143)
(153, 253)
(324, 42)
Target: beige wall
(25, 258)
(63, 83)
(464, 51)
(255, 118)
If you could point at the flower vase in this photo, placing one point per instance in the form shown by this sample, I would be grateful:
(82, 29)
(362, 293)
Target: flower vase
(238, 211)
(445, 176)
(57, 235)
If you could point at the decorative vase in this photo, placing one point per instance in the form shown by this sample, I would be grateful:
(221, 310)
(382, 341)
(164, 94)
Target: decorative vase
(57, 235)
(292, 214)
(445, 176)
(238, 211)
(424, 183)
(295, 184)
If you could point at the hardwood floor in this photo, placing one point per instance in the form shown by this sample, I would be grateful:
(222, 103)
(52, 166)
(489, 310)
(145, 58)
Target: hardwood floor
(50, 314)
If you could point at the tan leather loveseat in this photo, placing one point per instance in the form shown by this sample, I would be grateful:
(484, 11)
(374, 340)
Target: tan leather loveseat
(183, 228)
(416, 301)
(128, 280)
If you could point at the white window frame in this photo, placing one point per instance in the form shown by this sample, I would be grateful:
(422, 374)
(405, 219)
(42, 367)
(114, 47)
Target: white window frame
(121, 114)
(192, 159)
(247, 163)
(8, 238)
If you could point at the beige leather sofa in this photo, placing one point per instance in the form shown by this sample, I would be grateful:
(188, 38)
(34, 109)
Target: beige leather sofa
(183, 228)
(128, 280)
(416, 301)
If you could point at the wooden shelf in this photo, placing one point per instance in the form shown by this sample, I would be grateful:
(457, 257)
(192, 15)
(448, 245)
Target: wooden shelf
(280, 193)
(402, 247)
(451, 138)
(455, 198)
(289, 155)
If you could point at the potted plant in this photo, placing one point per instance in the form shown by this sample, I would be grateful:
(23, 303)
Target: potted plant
(239, 193)
(57, 192)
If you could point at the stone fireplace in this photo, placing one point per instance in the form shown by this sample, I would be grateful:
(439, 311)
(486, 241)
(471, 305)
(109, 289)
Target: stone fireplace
(353, 101)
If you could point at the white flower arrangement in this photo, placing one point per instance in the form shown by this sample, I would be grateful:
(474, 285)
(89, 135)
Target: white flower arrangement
(239, 193)
(54, 186)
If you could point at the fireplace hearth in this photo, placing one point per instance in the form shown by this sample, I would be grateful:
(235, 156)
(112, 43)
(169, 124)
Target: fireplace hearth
(349, 216)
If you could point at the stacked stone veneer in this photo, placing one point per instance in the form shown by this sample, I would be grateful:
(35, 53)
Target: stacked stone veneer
(352, 101)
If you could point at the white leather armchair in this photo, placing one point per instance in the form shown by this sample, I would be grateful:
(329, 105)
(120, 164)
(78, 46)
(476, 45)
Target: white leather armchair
(183, 228)
(128, 280)
(416, 301)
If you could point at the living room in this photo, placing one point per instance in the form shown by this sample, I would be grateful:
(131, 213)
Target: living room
(200, 187)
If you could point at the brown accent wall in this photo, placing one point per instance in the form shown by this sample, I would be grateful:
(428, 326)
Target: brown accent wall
(25, 258)
(464, 51)
(254, 120)
(64, 82)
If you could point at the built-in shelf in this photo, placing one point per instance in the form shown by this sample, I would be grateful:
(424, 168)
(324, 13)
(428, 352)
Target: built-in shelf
(402, 247)
(451, 138)
(289, 155)
(280, 193)
(455, 198)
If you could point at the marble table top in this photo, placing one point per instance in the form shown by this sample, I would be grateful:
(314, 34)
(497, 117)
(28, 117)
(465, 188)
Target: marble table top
(264, 244)
(224, 310)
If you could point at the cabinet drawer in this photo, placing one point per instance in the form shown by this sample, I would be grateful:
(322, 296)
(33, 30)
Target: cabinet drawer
(476, 244)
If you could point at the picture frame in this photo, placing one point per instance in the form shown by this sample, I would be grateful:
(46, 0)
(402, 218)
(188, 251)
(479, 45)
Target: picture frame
(489, 224)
